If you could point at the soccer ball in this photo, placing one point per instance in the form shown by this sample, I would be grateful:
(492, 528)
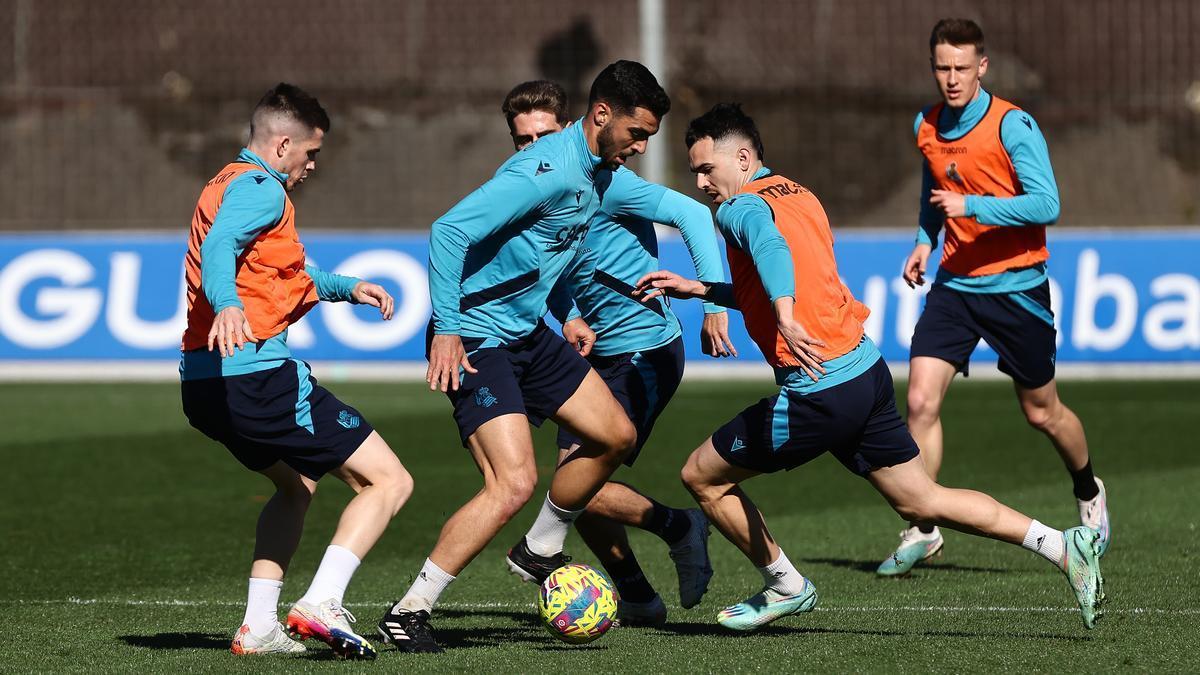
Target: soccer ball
(577, 604)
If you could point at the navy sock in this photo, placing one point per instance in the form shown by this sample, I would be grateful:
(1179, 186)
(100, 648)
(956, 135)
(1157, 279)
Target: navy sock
(631, 583)
(671, 525)
(1085, 483)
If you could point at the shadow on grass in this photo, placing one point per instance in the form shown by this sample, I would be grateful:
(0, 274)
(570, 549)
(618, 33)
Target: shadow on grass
(872, 565)
(714, 630)
(178, 641)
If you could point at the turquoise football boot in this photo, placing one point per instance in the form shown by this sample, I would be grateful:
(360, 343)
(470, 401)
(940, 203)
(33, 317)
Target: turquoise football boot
(1083, 572)
(915, 546)
(766, 606)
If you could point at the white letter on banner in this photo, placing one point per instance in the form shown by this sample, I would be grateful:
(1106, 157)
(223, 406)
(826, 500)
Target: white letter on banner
(121, 313)
(1056, 306)
(1186, 310)
(75, 308)
(410, 315)
(908, 309)
(1090, 286)
(875, 297)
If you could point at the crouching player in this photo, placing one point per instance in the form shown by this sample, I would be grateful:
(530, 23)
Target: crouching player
(836, 394)
(247, 281)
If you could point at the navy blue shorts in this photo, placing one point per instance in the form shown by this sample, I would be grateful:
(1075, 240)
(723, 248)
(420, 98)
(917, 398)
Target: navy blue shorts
(533, 376)
(277, 415)
(856, 421)
(643, 383)
(1019, 326)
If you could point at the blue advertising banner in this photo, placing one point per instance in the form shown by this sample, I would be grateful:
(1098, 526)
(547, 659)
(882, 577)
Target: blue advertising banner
(1119, 296)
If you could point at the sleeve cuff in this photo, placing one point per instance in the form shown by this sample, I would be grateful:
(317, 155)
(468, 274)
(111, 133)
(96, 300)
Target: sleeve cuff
(710, 308)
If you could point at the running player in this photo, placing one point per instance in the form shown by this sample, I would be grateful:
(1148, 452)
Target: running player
(247, 281)
(836, 393)
(987, 177)
(638, 351)
(494, 259)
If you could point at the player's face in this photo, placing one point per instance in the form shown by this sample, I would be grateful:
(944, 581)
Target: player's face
(624, 136)
(957, 70)
(717, 169)
(528, 127)
(300, 158)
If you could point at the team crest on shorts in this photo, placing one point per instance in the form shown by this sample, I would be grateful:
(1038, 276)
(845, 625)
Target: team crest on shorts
(347, 420)
(484, 398)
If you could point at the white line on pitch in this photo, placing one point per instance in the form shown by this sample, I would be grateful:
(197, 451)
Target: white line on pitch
(518, 605)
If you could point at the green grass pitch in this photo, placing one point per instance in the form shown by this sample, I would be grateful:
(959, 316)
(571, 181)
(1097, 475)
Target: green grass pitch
(126, 539)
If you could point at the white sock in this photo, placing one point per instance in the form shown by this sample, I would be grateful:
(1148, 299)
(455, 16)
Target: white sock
(549, 531)
(262, 605)
(337, 567)
(426, 588)
(1047, 542)
(782, 577)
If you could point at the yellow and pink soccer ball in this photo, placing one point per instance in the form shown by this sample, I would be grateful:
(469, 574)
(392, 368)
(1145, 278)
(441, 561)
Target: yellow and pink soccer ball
(577, 603)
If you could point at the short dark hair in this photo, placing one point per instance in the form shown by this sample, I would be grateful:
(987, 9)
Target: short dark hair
(957, 32)
(723, 121)
(536, 95)
(294, 102)
(625, 85)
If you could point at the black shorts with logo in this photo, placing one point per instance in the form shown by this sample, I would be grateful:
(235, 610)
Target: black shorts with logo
(643, 383)
(533, 376)
(855, 421)
(276, 415)
(1019, 326)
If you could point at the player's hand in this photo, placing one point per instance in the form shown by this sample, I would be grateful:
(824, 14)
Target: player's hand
(951, 204)
(714, 336)
(446, 355)
(367, 293)
(662, 282)
(803, 346)
(230, 328)
(914, 266)
(579, 335)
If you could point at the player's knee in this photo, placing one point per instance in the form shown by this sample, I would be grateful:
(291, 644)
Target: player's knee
(695, 481)
(923, 406)
(1040, 417)
(512, 491)
(918, 507)
(398, 487)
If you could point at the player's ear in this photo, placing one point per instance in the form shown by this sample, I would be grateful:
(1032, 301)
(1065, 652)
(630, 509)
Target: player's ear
(282, 147)
(601, 114)
(983, 64)
(744, 159)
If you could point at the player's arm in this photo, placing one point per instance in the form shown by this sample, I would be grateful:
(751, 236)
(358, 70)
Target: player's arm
(512, 194)
(340, 288)
(634, 196)
(750, 224)
(929, 224)
(576, 331)
(248, 207)
(1039, 203)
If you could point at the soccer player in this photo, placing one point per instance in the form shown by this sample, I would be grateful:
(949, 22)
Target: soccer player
(247, 281)
(987, 178)
(637, 349)
(836, 393)
(494, 259)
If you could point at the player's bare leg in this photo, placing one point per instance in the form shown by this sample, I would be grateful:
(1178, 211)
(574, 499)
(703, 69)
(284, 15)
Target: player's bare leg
(1075, 552)
(1046, 412)
(594, 416)
(928, 380)
(503, 450)
(608, 436)
(382, 486)
(714, 483)
(277, 535)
